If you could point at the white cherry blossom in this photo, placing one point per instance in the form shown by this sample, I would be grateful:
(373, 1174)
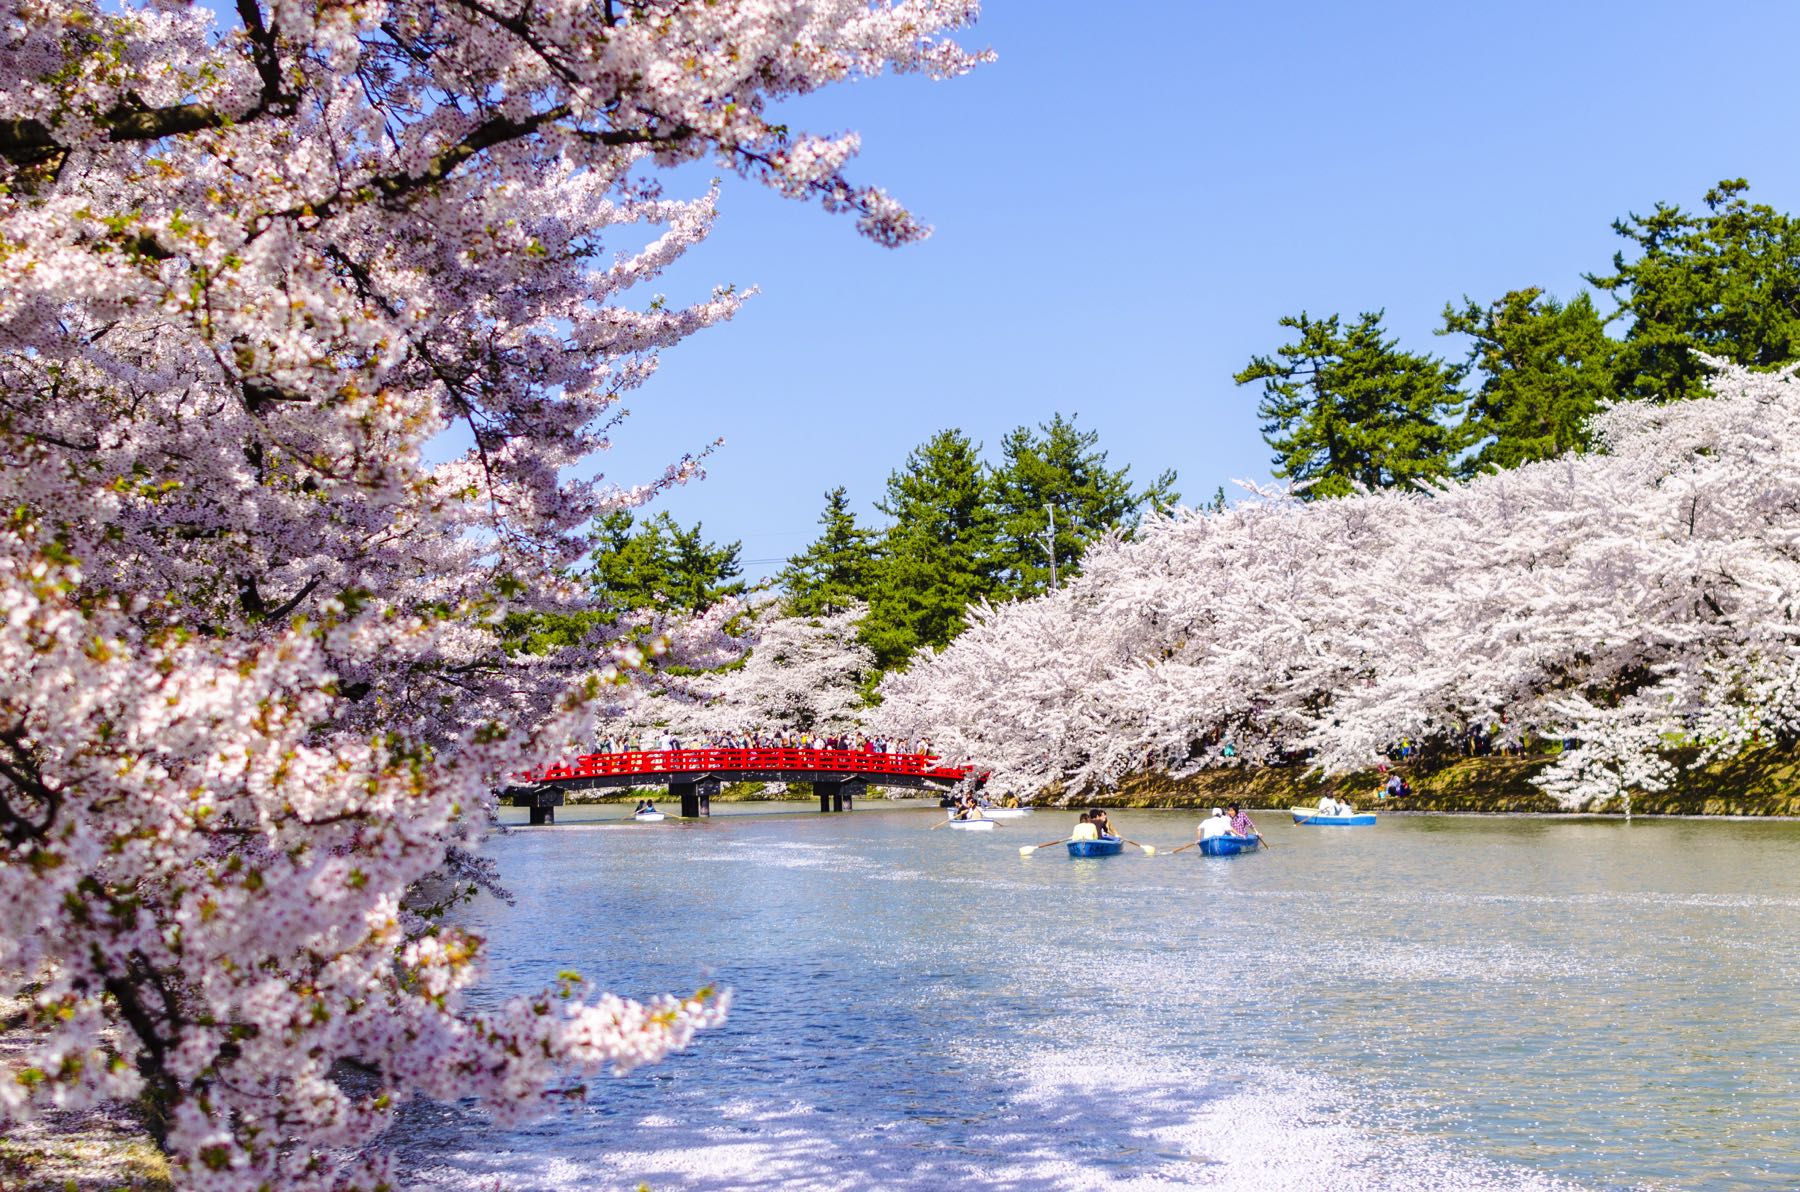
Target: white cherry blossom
(253, 700)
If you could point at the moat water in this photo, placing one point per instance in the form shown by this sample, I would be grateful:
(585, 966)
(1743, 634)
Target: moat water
(1435, 1003)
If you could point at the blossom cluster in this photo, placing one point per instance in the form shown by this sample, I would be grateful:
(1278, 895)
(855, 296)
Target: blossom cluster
(253, 693)
(797, 673)
(1620, 603)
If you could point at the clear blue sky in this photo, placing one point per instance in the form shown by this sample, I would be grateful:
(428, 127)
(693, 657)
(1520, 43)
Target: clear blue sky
(1129, 199)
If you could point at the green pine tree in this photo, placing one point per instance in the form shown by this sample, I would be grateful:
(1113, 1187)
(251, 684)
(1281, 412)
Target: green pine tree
(938, 556)
(1545, 368)
(660, 565)
(837, 571)
(1061, 466)
(1725, 282)
(1344, 406)
(654, 565)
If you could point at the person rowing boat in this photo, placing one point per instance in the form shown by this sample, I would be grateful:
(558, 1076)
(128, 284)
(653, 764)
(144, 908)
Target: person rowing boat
(1213, 826)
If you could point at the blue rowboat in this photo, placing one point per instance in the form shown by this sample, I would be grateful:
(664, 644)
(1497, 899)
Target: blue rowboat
(1106, 846)
(1310, 817)
(1229, 846)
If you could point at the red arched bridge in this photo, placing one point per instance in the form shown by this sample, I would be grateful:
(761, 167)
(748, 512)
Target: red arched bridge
(838, 776)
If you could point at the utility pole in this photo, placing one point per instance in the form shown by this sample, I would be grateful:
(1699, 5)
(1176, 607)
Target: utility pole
(1050, 542)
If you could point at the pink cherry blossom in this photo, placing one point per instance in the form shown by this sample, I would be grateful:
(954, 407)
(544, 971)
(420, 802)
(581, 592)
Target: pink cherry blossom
(1635, 598)
(254, 694)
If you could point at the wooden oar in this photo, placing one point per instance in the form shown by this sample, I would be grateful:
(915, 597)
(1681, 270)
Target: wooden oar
(1025, 850)
(1184, 848)
(1263, 839)
(1149, 850)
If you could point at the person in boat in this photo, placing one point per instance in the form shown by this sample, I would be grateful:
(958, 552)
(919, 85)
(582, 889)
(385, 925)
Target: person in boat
(1101, 824)
(1328, 805)
(1213, 826)
(1241, 823)
(1084, 828)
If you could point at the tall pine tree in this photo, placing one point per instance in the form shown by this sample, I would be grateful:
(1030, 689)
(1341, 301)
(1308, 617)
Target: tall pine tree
(1344, 406)
(1060, 466)
(1725, 282)
(1545, 368)
(659, 564)
(837, 571)
(938, 556)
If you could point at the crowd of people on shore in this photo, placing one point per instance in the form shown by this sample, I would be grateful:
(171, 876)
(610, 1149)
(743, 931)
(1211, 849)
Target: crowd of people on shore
(766, 739)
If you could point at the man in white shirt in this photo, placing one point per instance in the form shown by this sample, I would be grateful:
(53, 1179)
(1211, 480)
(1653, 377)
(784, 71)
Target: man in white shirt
(1214, 825)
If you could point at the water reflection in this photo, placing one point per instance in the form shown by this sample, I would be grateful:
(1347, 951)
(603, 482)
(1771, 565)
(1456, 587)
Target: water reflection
(1437, 1003)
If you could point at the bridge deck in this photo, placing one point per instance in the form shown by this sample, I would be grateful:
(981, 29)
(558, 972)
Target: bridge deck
(654, 767)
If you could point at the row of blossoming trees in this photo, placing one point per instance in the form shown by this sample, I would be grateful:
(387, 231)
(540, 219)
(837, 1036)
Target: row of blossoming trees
(252, 696)
(1641, 596)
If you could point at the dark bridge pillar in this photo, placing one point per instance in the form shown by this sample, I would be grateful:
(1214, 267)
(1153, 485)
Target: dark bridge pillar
(840, 796)
(542, 800)
(696, 797)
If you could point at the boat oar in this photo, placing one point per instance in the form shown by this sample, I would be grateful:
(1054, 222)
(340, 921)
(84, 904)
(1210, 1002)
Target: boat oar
(1025, 850)
(1262, 839)
(1184, 848)
(1149, 850)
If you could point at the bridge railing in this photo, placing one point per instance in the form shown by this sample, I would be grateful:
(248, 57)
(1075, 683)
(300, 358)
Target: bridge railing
(702, 761)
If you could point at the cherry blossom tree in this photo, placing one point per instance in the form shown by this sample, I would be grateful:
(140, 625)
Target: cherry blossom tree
(1629, 600)
(803, 674)
(252, 697)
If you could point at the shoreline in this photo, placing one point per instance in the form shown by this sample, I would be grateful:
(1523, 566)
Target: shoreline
(1757, 784)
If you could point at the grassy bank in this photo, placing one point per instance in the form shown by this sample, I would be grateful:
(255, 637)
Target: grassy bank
(1764, 782)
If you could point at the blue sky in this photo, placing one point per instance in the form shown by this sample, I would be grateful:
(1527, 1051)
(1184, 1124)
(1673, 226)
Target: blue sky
(1132, 196)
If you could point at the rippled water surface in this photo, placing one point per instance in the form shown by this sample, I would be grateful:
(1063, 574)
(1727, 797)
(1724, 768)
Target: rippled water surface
(1435, 1003)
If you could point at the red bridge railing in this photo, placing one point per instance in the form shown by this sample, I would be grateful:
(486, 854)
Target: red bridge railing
(723, 761)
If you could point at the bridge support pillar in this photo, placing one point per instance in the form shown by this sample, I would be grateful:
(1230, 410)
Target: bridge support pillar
(840, 796)
(541, 800)
(696, 797)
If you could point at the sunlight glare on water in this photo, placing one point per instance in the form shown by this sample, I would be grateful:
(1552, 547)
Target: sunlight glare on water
(1435, 1003)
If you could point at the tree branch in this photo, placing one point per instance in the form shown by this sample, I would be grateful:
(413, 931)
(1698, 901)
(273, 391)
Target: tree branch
(28, 141)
